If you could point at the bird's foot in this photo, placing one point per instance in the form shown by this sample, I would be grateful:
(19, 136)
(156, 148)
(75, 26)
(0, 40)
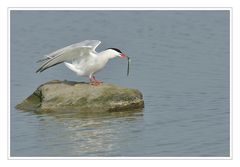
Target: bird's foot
(95, 83)
(98, 81)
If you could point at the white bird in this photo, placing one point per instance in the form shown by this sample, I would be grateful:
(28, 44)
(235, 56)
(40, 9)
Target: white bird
(85, 61)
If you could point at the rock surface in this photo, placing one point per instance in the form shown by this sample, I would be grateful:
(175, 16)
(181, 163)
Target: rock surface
(77, 96)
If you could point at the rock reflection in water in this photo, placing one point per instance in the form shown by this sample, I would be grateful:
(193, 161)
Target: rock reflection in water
(93, 134)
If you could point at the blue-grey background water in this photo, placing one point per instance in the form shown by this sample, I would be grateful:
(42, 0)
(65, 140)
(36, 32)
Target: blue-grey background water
(180, 62)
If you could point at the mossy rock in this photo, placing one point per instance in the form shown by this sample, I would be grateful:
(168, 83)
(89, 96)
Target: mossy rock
(70, 96)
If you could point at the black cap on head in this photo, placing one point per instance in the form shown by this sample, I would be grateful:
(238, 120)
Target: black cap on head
(117, 50)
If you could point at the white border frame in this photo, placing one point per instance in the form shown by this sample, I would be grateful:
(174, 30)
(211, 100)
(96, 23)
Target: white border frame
(230, 9)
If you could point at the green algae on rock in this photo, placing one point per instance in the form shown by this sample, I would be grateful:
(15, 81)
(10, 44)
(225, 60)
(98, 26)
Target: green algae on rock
(69, 96)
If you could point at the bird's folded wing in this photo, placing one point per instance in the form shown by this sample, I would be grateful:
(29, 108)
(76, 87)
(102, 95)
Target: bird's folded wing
(69, 53)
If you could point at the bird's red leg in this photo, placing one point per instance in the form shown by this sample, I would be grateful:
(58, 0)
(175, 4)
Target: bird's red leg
(96, 80)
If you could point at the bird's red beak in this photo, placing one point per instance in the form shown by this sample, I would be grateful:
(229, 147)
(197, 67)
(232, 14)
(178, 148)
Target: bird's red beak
(123, 56)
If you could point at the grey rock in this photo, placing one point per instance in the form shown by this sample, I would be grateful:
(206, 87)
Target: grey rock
(70, 96)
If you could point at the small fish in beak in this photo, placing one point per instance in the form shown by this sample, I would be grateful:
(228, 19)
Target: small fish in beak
(129, 61)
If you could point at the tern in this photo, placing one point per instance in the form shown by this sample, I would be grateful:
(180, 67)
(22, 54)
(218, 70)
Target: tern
(82, 58)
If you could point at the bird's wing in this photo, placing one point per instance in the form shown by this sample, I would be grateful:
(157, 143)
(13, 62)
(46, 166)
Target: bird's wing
(72, 52)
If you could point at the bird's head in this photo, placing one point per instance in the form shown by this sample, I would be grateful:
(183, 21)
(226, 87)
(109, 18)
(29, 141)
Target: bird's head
(116, 52)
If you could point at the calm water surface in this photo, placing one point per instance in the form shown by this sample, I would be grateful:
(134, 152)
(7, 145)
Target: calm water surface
(180, 62)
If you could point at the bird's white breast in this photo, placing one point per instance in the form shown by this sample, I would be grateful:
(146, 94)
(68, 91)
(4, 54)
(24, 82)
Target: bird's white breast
(88, 66)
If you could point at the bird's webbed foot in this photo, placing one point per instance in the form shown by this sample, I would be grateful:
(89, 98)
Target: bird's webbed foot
(95, 82)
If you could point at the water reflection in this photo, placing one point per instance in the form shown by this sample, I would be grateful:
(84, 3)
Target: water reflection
(92, 134)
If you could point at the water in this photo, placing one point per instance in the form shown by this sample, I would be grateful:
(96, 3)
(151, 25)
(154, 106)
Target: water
(180, 62)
